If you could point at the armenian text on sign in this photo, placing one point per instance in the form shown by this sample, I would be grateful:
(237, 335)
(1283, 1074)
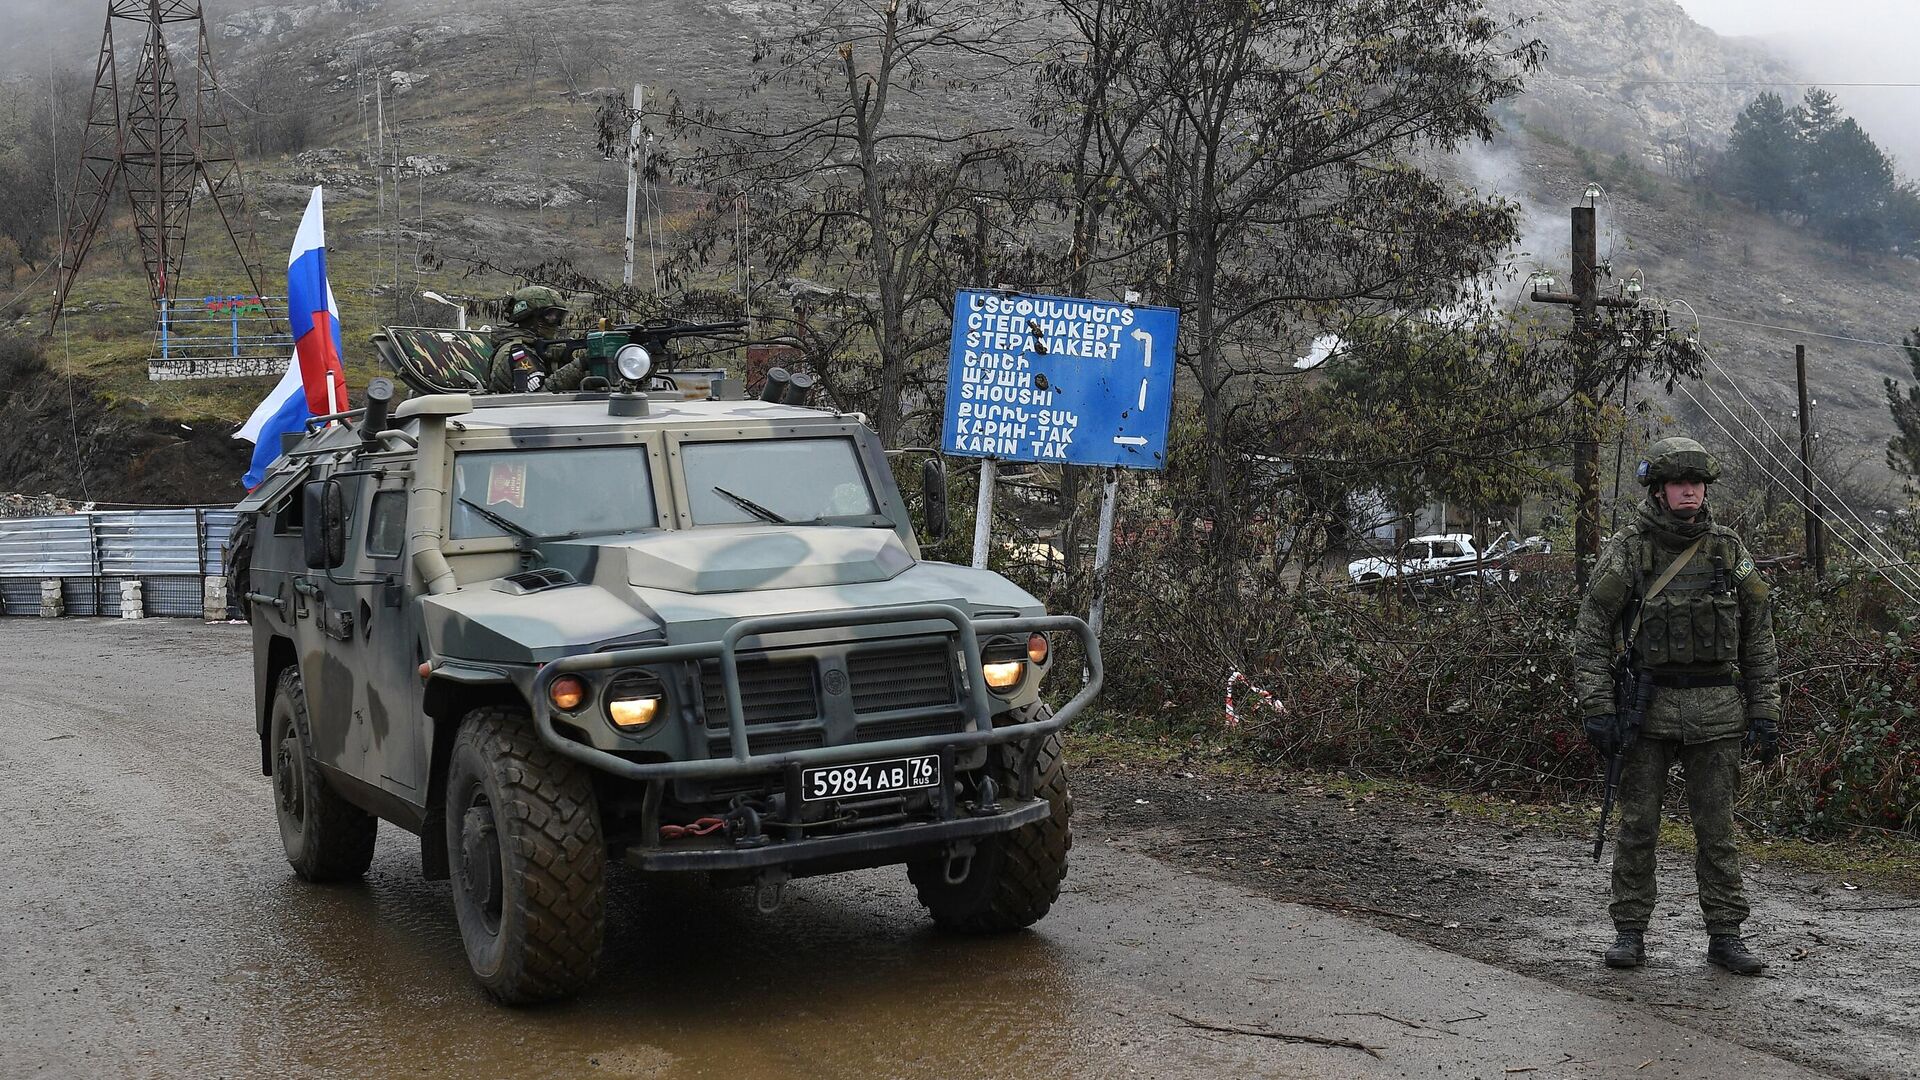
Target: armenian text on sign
(244, 305)
(1051, 378)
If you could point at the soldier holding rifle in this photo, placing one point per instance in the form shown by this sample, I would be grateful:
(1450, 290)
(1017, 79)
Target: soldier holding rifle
(1675, 662)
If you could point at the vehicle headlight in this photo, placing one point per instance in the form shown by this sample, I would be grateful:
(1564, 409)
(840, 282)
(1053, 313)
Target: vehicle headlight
(1004, 664)
(634, 362)
(634, 702)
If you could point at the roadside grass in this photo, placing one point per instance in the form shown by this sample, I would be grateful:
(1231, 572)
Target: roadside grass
(1866, 859)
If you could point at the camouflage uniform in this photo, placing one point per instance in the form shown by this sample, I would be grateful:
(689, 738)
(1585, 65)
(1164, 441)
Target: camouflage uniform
(518, 366)
(1707, 639)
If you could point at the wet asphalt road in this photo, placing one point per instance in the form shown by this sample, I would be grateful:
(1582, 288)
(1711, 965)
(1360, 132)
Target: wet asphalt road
(149, 926)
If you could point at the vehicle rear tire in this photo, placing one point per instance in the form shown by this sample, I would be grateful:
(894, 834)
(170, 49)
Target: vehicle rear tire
(1015, 877)
(326, 837)
(527, 857)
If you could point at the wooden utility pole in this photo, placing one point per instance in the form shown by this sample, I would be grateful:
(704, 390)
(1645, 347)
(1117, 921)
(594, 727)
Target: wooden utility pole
(1586, 301)
(1816, 538)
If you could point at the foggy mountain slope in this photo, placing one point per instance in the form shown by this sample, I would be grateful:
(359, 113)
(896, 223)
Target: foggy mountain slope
(1639, 75)
(1736, 268)
(505, 170)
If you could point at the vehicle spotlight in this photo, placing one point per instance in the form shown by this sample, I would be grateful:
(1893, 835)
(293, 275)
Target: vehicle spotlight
(634, 362)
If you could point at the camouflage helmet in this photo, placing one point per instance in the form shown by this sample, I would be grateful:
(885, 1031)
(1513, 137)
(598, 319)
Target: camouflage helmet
(1678, 458)
(534, 301)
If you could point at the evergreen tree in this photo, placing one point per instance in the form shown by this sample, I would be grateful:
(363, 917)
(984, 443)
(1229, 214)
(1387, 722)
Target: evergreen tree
(1849, 197)
(1903, 450)
(1816, 114)
(1763, 156)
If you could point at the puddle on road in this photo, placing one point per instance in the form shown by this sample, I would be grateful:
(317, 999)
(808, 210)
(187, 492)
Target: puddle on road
(848, 978)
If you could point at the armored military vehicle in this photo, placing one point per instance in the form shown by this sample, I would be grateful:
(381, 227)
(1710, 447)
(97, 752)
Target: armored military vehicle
(690, 631)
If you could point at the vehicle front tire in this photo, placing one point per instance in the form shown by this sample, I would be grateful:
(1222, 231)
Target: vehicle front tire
(527, 857)
(1014, 877)
(326, 837)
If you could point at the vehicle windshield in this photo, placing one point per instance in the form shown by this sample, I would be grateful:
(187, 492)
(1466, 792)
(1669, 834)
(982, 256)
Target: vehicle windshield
(585, 491)
(795, 480)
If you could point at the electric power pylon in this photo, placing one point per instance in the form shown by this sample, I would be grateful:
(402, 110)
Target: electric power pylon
(145, 142)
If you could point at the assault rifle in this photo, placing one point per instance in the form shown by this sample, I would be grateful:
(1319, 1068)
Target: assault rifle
(1632, 694)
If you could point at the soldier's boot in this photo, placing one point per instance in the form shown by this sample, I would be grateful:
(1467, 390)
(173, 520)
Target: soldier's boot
(1629, 950)
(1730, 952)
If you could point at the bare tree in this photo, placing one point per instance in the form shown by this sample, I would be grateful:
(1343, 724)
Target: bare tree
(875, 197)
(1266, 167)
(582, 56)
(278, 114)
(528, 37)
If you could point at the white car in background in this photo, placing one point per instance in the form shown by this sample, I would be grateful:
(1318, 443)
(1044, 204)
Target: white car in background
(1427, 558)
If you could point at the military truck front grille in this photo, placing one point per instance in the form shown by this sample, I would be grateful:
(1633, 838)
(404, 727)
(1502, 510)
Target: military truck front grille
(912, 727)
(769, 742)
(770, 692)
(911, 678)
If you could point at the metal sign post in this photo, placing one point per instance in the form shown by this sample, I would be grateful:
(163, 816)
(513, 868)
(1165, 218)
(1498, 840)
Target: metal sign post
(1102, 552)
(983, 513)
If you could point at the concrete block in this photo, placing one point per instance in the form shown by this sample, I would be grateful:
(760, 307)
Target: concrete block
(52, 605)
(214, 609)
(132, 606)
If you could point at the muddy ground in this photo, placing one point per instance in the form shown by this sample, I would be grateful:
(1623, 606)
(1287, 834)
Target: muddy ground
(1843, 992)
(149, 926)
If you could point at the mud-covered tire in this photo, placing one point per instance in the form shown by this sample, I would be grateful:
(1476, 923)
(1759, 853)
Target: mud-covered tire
(326, 837)
(527, 857)
(1014, 877)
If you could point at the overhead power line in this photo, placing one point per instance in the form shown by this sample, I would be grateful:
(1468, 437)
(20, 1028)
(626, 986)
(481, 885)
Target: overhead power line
(1843, 535)
(1853, 531)
(1759, 82)
(1796, 330)
(1859, 525)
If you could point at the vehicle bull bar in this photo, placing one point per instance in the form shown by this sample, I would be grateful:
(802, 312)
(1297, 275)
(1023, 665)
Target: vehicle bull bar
(976, 703)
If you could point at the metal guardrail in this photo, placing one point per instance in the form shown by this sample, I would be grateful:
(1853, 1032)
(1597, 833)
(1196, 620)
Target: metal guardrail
(171, 553)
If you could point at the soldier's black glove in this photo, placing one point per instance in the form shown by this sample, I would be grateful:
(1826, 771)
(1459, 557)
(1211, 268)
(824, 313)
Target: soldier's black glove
(1603, 732)
(1763, 738)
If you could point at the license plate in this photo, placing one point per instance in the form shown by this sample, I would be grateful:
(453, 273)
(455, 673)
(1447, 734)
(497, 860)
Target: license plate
(870, 778)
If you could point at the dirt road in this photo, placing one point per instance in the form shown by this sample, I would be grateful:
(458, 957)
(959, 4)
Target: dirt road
(149, 926)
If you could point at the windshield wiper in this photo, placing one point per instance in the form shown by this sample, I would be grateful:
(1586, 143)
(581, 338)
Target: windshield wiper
(514, 527)
(752, 507)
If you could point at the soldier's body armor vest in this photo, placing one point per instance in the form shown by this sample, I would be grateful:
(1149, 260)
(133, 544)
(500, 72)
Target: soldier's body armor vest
(1694, 624)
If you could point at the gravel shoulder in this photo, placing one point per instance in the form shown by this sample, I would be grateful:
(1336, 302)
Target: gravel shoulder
(1517, 888)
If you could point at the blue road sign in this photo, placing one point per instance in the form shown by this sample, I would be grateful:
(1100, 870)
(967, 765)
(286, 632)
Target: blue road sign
(1053, 379)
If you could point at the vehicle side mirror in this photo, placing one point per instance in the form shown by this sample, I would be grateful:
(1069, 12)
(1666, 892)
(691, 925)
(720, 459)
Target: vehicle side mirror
(323, 524)
(933, 485)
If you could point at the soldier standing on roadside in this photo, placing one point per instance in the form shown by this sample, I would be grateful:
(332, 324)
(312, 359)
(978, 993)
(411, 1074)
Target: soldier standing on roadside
(1704, 631)
(519, 366)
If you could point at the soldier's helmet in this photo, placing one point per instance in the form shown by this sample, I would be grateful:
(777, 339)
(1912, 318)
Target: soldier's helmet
(534, 301)
(1678, 458)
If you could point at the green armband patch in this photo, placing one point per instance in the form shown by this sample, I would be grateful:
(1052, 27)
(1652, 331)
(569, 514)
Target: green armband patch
(1745, 570)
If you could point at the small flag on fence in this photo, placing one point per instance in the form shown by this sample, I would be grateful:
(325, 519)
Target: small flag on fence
(315, 383)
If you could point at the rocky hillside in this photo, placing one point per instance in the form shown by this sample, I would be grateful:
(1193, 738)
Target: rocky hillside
(489, 107)
(1639, 75)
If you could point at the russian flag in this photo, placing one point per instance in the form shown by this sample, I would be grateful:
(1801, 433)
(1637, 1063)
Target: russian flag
(315, 383)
